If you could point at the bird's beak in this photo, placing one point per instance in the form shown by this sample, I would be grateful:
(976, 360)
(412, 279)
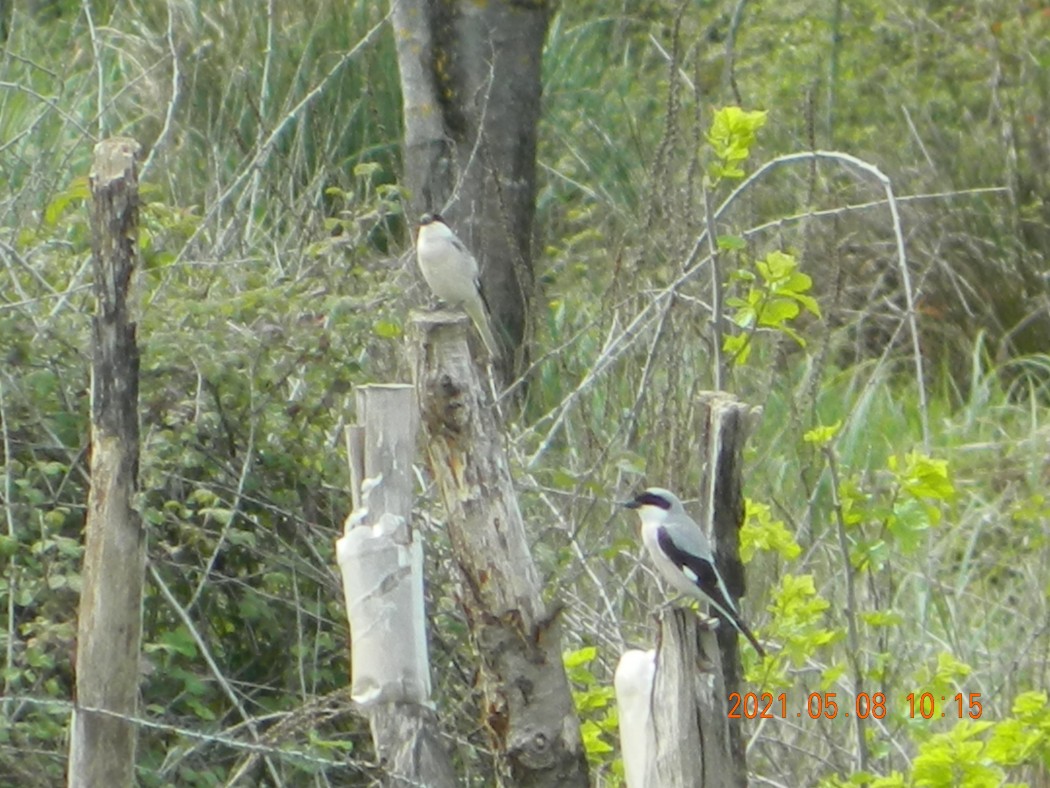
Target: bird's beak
(629, 504)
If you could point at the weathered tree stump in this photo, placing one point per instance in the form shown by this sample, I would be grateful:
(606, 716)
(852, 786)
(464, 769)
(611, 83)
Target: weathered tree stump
(109, 630)
(529, 711)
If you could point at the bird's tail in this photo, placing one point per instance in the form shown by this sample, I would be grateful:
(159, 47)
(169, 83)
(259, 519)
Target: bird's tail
(744, 630)
(733, 617)
(750, 636)
(479, 314)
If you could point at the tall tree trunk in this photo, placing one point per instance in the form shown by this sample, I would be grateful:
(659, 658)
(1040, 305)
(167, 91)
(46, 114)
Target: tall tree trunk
(470, 79)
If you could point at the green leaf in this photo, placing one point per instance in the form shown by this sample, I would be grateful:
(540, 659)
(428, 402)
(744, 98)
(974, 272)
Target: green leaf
(738, 346)
(731, 134)
(242, 538)
(563, 479)
(776, 267)
(78, 191)
(731, 243)
(387, 329)
(831, 675)
(950, 670)
(822, 435)
(367, 169)
(925, 477)
(808, 303)
(178, 641)
(53, 468)
(882, 618)
(593, 741)
(1031, 704)
(797, 282)
(201, 710)
(594, 699)
(204, 497)
(762, 532)
(574, 659)
(219, 514)
(8, 546)
(777, 312)
(956, 758)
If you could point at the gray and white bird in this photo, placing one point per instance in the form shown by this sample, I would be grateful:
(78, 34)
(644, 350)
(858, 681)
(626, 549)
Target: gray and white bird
(452, 273)
(682, 553)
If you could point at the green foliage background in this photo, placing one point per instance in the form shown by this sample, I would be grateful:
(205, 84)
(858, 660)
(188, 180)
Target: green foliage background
(277, 276)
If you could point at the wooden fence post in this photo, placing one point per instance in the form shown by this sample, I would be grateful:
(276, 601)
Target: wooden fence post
(690, 720)
(688, 738)
(381, 561)
(674, 729)
(528, 706)
(721, 449)
(109, 631)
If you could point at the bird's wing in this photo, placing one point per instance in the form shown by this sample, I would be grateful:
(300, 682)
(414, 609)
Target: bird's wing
(701, 572)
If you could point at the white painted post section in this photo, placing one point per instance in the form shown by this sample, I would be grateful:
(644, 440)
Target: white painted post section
(382, 568)
(634, 689)
(381, 561)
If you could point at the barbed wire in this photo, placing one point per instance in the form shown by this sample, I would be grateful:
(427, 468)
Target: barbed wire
(211, 738)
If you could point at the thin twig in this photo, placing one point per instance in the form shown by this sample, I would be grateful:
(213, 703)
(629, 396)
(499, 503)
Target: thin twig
(833, 67)
(717, 295)
(478, 139)
(613, 348)
(729, 71)
(852, 162)
(915, 134)
(851, 611)
(173, 101)
(778, 224)
(571, 533)
(12, 566)
(96, 50)
(234, 511)
(180, 611)
(53, 104)
(616, 346)
(643, 380)
(263, 108)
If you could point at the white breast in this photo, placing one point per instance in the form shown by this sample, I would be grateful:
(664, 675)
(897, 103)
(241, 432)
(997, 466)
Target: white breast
(665, 565)
(445, 263)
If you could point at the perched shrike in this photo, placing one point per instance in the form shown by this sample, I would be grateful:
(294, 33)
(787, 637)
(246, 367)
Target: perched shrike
(452, 273)
(683, 554)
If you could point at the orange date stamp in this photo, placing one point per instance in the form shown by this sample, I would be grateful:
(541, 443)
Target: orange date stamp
(767, 706)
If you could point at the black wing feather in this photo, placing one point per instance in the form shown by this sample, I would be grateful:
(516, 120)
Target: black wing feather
(707, 581)
(702, 569)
